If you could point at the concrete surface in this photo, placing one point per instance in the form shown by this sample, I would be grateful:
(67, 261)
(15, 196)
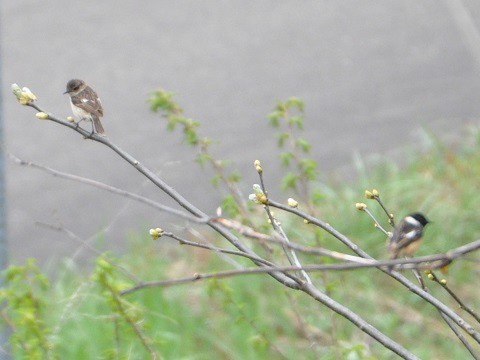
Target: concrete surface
(371, 73)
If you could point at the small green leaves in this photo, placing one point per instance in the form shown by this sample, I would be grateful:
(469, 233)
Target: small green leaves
(296, 121)
(203, 158)
(23, 298)
(286, 158)
(288, 116)
(234, 177)
(230, 207)
(281, 138)
(308, 168)
(162, 100)
(281, 112)
(295, 102)
(274, 119)
(303, 144)
(317, 197)
(289, 181)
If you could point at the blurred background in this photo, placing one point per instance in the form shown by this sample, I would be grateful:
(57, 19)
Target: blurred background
(372, 74)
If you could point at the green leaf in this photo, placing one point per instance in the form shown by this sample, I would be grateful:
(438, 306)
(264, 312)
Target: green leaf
(190, 137)
(317, 197)
(289, 181)
(206, 142)
(281, 108)
(230, 207)
(203, 158)
(274, 119)
(296, 121)
(234, 177)
(162, 100)
(303, 144)
(216, 180)
(295, 102)
(285, 158)
(309, 168)
(281, 138)
(172, 121)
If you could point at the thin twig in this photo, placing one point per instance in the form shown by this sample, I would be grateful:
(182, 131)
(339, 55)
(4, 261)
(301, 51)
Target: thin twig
(164, 187)
(280, 277)
(109, 188)
(455, 297)
(391, 221)
(77, 238)
(377, 224)
(276, 239)
(447, 320)
(183, 241)
(400, 278)
(144, 340)
(403, 264)
(293, 259)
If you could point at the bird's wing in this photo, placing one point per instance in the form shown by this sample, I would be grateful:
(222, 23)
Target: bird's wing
(404, 235)
(89, 101)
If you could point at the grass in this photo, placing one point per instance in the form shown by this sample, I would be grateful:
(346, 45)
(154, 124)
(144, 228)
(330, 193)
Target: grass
(253, 317)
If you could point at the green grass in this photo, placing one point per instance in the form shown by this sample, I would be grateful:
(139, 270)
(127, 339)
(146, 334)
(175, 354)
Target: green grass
(252, 317)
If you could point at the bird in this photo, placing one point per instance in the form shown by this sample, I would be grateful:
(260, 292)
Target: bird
(407, 235)
(86, 104)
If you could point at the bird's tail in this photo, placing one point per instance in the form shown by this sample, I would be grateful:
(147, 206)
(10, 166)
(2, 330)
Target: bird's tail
(98, 125)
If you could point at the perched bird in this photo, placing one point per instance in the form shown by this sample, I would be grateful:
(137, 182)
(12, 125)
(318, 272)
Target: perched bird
(407, 235)
(85, 104)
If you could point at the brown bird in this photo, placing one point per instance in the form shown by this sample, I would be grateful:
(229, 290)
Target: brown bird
(85, 104)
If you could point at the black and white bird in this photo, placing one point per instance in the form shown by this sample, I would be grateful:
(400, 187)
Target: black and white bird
(407, 235)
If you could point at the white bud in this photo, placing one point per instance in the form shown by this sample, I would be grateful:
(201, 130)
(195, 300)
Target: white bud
(257, 189)
(41, 115)
(292, 203)
(28, 93)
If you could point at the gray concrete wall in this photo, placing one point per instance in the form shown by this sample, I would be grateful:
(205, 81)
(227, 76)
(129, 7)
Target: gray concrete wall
(372, 73)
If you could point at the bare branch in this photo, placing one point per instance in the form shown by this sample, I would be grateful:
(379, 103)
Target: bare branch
(399, 264)
(252, 234)
(278, 275)
(447, 320)
(400, 278)
(377, 224)
(109, 188)
(165, 188)
(78, 239)
(462, 305)
(293, 259)
(182, 241)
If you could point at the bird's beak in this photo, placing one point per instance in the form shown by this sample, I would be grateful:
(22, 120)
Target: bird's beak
(65, 92)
